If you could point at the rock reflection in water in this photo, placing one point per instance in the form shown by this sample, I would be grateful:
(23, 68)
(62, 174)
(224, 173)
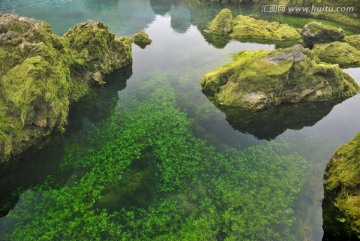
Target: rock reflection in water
(270, 123)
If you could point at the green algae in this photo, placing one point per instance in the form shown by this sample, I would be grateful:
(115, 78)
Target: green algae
(201, 193)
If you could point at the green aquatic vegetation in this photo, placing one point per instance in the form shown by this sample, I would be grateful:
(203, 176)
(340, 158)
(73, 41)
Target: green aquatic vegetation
(199, 192)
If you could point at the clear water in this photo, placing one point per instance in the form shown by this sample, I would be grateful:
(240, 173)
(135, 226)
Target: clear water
(182, 53)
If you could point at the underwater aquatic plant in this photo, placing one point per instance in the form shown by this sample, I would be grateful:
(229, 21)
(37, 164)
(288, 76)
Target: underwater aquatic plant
(198, 192)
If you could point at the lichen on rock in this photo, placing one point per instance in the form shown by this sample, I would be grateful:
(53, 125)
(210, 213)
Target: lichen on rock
(222, 23)
(341, 53)
(41, 73)
(260, 79)
(316, 32)
(342, 193)
(141, 39)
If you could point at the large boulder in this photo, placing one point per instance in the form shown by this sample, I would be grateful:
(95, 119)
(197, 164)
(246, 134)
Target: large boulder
(260, 79)
(246, 27)
(41, 73)
(341, 53)
(316, 32)
(222, 23)
(342, 193)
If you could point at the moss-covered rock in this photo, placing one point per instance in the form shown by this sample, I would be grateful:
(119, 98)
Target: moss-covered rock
(353, 40)
(97, 50)
(251, 28)
(342, 193)
(316, 32)
(260, 79)
(245, 27)
(41, 73)
(141, 39)
(34, 82)
(341, 53)
(222, 23)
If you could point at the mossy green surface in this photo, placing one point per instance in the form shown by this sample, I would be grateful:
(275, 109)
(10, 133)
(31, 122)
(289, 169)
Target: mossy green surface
(342, 182)
(198, 192)
(248, 27)
(222, 23)
(341, 53)
(141, 39)
(353, 40)
(260, 79)
(41, 73)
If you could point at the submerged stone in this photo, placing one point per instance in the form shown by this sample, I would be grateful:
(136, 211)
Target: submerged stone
(248, 27)
(222, 23)
(341, 53)
(141, 39)
(260, 79)
(342, 193)
(41, 73)
(316, 32)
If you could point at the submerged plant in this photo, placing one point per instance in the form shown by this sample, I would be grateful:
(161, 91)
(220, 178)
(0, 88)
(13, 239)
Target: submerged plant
(195, 192)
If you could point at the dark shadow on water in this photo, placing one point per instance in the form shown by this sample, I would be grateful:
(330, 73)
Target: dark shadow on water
(270, 123)
(33, 167)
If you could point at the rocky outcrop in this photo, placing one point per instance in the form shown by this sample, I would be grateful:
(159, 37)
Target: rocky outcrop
(141, 39)
(315, 32)
(41, 73)
(222, 23)
(245, 27)
(342, 193)
(341, 53)
(260, 79)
